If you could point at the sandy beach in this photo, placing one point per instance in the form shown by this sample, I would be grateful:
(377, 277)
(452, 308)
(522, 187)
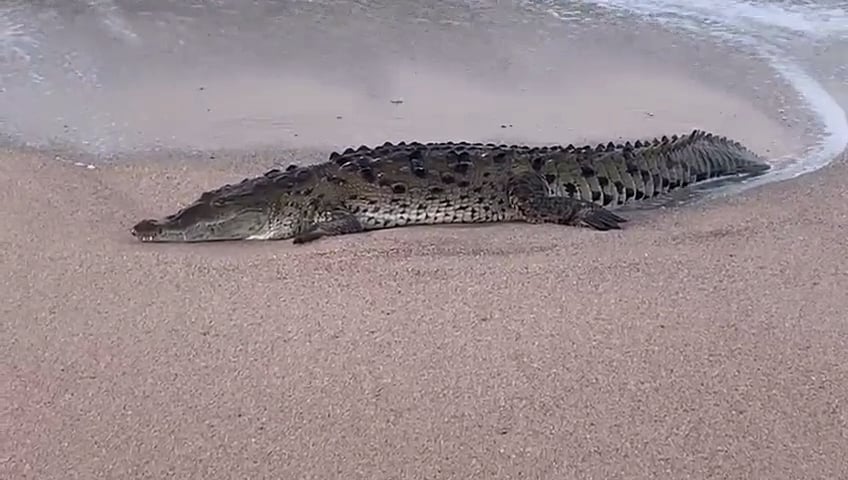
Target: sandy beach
(702, 341)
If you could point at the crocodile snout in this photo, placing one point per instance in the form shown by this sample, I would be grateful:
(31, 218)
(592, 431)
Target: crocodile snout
(146, 229)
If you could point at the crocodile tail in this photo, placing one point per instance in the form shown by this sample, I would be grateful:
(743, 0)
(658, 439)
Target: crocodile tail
(677, 162)
(721, 156)
(647, 169)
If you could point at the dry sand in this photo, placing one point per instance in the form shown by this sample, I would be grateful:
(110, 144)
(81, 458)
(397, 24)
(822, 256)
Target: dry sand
(701, 342)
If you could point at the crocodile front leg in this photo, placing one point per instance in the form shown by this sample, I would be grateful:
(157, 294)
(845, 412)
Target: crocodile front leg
(529, 195)
(338, 222)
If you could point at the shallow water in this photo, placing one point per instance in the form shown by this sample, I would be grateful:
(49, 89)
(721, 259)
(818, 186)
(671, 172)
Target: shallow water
(796, 38)
(113, 76)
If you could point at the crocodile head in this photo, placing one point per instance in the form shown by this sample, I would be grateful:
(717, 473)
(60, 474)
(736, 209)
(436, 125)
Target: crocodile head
(246, 211)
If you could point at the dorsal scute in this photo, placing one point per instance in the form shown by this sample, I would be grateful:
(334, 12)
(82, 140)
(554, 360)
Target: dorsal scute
(207, 195)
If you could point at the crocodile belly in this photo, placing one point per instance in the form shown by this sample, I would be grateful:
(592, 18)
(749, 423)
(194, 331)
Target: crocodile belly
(398, 211)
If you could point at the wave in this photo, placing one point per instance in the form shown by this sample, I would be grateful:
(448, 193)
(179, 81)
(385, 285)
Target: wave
(766, 29)
(814, 20)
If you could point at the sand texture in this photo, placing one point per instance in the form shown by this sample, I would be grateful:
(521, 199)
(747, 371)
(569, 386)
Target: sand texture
(708, 341)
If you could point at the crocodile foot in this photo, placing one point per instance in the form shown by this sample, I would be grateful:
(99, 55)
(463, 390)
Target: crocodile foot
(570, 211)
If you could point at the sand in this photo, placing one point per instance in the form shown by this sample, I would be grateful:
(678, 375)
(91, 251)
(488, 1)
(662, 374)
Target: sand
(706, 341)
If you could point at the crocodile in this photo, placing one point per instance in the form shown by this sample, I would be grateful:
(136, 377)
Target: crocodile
(395, 185)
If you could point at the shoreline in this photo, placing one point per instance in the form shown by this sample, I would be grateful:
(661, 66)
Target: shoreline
(533, 83)
(373, 124)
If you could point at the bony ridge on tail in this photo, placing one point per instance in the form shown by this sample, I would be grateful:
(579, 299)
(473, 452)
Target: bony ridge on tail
(396, 185)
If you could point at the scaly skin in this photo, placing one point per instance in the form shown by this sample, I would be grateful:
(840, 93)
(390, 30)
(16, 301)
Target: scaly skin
(438, 183)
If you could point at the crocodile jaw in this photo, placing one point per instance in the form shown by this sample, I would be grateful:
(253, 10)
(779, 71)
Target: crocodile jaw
(268, 234)
(155, 231)
(239, 226)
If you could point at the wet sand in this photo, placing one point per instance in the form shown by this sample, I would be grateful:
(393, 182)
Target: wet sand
(706, 341)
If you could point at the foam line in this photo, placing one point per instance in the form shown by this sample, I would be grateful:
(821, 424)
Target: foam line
(752, 24)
